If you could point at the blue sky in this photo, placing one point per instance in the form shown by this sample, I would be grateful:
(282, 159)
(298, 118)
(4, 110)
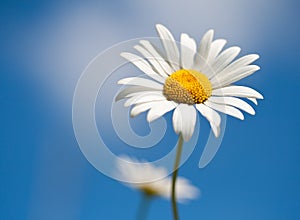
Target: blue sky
(45, 46)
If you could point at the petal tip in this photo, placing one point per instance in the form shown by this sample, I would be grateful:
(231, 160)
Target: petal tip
(132, 113)
(117, 98)
(184, 35)
(252, 113)
(216, 133)
(211, 31)
(150, 117)
(142, 41)
(125, 55)
(237, 48)
(160, 26)
(122, 81)
(186, 137)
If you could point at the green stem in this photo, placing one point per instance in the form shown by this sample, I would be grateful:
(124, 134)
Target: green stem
(143, 207)
(174, 177)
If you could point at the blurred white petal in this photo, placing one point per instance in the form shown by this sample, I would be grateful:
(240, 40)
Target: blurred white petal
(145, 176)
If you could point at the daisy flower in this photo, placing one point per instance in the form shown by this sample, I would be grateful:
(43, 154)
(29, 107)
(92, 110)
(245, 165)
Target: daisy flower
(151, 180)
(189, 80)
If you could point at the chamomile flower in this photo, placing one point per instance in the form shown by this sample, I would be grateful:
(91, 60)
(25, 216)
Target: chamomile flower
(189, 80)
(152, 180)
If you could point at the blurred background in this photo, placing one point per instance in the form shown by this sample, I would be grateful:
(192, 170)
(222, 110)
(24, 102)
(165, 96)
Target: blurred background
(45, 46)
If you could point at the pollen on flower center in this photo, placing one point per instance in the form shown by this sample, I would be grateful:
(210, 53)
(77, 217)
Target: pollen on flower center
(187, 86)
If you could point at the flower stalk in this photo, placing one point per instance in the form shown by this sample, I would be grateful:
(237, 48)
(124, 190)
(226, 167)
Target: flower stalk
(174, 177)
(143, 206)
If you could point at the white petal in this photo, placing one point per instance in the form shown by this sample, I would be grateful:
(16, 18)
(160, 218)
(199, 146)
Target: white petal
(143, 65)
(146, 97)
(139, 108)
(185, 190)
(159, 109)
(234, 76)
(154, 52)
(139, 173)
(184, 120)
(205, 44)
(253, 100)
(229, 110)
(206, 66)
(243, 61)
(153, 60)
(235, 102)
(188, 50)
(216, 129)
(144, 93)
(137, 81)
(212, 116)
(130, 91)
(203, 51)
(215, 49)
(169, 44)
(177, 120)
(238, 91)
(141, 100)
(225, 58)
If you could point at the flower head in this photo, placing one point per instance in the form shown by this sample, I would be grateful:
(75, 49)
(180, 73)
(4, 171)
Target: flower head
(151, 180)
(189, 80)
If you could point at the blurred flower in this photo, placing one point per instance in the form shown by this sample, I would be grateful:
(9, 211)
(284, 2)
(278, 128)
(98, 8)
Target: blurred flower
(188, 80)
(150, 180)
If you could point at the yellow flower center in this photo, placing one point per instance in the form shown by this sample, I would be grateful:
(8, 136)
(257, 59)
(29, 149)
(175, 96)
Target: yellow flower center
(187, 86)
(149, 191)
